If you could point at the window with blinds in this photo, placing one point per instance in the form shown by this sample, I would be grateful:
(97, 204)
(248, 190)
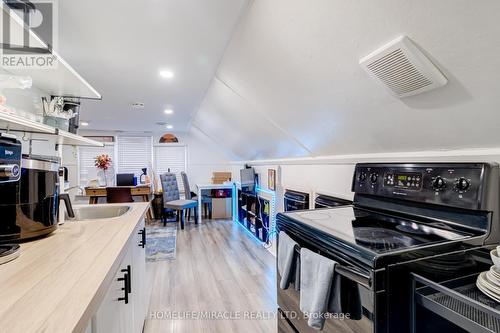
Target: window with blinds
(134, 154)
(86, 156)
(170, 157)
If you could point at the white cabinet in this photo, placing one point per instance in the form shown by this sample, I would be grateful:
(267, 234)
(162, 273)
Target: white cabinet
(125, 305)
(139, 279)
(113, 309)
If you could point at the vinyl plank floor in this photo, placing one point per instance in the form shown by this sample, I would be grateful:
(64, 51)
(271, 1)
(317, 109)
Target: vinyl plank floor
(220, 272)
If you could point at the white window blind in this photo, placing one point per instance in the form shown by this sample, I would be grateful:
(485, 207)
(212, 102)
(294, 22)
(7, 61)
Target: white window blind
(171, 157)
(87, 155)
(134, 153)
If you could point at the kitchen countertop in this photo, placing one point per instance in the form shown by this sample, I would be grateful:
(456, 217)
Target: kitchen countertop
(59, 281)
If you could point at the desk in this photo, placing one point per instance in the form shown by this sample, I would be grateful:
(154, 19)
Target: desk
(143, 191)
(231, 186)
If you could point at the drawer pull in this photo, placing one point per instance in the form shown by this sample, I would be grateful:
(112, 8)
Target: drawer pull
(125, 288)
(128, 283)
(142, 232)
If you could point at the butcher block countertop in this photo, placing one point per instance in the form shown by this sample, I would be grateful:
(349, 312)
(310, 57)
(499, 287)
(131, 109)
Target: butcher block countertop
(58, 282)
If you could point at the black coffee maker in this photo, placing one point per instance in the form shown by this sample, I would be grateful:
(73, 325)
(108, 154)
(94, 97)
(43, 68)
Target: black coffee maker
(10, 175)
(29, 193)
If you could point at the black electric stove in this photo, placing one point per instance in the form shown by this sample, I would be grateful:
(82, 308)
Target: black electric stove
(404, 217)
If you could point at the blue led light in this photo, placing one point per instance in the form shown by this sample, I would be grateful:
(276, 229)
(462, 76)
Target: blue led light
(259, 189)
(235, 203)
(272, 213)
(249, 232)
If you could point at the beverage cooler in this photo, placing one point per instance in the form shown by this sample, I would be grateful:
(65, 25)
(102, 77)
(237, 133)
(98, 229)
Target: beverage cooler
(295, 200)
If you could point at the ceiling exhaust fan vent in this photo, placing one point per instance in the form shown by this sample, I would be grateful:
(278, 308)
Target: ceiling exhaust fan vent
(403, 68)
(138, 105)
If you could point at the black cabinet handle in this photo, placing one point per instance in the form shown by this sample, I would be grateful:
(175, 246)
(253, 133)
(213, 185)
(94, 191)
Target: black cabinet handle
(142, 232)
(125, 288)
(128, 282)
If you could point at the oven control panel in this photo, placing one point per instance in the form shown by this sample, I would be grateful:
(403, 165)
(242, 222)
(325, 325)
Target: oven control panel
(406, 180)
(462, 185)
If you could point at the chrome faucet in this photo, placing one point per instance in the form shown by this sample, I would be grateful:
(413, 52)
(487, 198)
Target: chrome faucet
(81, 189)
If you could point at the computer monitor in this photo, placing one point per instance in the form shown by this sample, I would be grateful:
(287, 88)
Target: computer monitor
(247, 179)
(125, 179)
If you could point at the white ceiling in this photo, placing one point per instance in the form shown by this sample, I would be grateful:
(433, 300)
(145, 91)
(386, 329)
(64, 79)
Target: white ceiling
(120, 46)
(290, 83)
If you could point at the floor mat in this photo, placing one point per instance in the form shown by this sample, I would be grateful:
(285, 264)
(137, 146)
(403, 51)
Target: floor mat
(161, 242)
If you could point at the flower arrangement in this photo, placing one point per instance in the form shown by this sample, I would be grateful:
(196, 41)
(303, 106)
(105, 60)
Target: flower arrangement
(103, 162)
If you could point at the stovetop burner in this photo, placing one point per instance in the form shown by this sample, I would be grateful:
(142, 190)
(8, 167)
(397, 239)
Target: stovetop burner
(9, 252)
(385, 239)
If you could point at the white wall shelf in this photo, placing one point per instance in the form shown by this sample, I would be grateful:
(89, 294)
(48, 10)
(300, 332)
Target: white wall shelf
(67, 138)
(61, 80)
(16, 123)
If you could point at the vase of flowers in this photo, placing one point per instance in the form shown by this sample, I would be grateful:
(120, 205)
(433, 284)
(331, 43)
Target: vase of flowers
(102, 163)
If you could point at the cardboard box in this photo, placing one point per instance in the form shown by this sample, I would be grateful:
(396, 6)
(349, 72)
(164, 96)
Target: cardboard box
(218, 174)
(220, 177)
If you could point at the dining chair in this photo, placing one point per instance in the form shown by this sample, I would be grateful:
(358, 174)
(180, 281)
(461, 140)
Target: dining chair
(118, 194)
(206, 200)
(172, 201)
(190, 195)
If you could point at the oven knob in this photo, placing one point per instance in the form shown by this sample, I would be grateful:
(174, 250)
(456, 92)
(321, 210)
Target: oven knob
(9, 170)
(462, 184)
(362, 176)
(438, 183)
(373, 178)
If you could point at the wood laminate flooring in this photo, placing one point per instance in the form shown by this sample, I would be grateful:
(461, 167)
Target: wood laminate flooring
(220, 272)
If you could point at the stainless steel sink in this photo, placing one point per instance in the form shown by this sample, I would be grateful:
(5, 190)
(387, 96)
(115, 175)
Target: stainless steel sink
(98, 212)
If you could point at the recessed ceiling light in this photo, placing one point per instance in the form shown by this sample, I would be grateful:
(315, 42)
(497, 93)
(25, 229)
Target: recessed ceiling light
(170, 126)
(169, 111)
(84, 123)
(167, 74)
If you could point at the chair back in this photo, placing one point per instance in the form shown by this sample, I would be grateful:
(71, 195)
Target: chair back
(118, 194)
(170, 187)
(187, 189)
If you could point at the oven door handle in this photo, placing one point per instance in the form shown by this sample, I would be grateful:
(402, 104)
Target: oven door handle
(350, 272)
(355, 275)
